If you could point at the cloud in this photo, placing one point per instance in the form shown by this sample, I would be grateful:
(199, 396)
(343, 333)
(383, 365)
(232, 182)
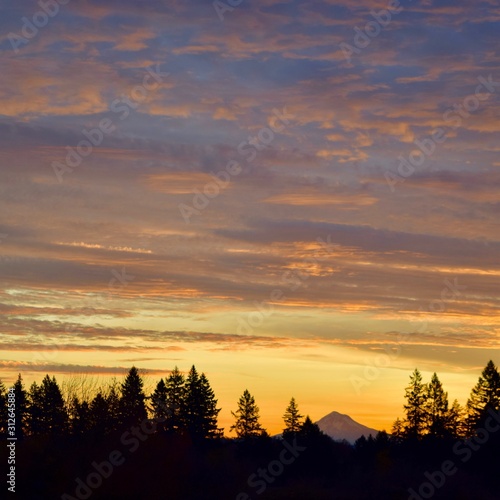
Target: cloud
(322, 175)
(62, 368)
(349, 201)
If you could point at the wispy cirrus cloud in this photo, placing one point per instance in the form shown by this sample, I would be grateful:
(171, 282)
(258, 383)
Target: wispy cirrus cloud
(322, 176)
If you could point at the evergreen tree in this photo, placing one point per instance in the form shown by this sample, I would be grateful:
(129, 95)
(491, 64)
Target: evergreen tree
(46, 411)
(456, 424)
(35, 418)
(398, 430)
(247, 418)
(415, 395)
(99, 415)
(113, 401)
(80, 417)
(159, 404)
(54, 413)
(132, 405)
(485, 396)
(191, 402)
(104, 413)
(175, 408)
(199, 407)
(381, 439)
(21, 407)
(292, 419)
(361, 444)
(310, 430)
(209, 411)
(436, 408)
(312, 437)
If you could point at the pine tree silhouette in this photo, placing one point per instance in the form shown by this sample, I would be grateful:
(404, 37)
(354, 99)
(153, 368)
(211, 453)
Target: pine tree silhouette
(456, 425)
(159, 405)
(104, 413)
(436, 409)
(199, 407)
(416, 396)
(209, 411)
(55, 412)
(484, 396)
(398, 431)
(35, 410)
(47, 413)
(247, 417)
(310, 430)
(132, 404)
(21, 407)
(80, 417)
(292, 419)
(175, 394)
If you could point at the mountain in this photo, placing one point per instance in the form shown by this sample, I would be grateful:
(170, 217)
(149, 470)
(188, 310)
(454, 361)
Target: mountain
(339, 426)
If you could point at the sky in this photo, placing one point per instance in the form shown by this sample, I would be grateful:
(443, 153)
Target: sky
(300, 198)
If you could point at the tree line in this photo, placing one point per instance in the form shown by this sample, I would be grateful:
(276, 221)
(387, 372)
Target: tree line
(186, 404)
(179, 404)
(428, 413)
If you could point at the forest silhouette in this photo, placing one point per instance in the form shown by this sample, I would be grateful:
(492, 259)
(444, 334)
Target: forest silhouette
(118, 442)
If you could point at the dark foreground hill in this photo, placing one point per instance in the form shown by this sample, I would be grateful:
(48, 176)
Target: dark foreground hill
(163, 467)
